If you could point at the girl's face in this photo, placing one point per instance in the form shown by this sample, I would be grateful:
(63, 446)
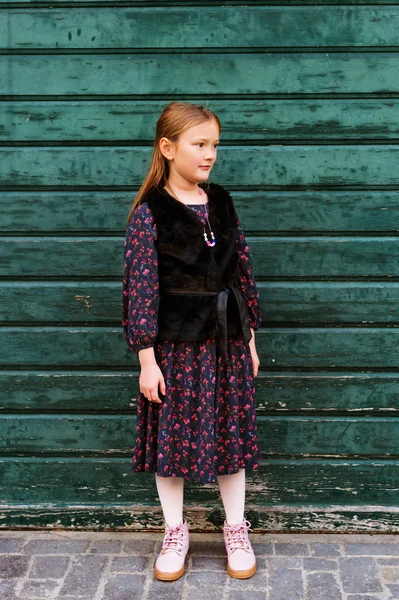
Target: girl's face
(194, 154)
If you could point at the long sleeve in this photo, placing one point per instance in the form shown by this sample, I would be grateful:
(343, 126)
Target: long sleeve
(247, 280)
(140, 289)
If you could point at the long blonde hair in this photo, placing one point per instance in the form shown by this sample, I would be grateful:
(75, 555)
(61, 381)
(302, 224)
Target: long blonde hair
(175, 118)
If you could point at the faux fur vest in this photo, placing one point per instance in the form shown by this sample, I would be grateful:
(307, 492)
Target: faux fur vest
(200, 295)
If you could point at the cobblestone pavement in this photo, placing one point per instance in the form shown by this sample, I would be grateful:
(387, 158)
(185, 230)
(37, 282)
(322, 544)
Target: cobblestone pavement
(80, 565)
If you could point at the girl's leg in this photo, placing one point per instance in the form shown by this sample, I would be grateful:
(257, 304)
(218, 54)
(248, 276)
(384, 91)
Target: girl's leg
(170, 492)
(170, 562)
(232, 491)
(241, 561)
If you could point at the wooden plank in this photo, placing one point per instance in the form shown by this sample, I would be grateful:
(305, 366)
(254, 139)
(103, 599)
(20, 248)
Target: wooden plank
(191, 3)
(261, 212)
(79, 212)
(296, 483)
(265, 166)
(302, 302)
(279, 436)
(348, 393)
(217, 73)
(99, 346)
(273, 257)
(100, 517)
(93, 302)
(83, 255)
(348, 348)
(205, 27)
(72, 391)
(244, 119)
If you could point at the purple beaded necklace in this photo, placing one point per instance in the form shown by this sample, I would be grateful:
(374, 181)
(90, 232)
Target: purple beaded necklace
(213, 242)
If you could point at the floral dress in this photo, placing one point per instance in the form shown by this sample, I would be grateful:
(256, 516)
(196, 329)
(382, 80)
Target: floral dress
(206, 424)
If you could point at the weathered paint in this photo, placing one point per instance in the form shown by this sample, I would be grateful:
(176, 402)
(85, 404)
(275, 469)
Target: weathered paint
(148, 73)
(368, 519)
(264, 212)
(307, 483)
(183, 27)
(290, 436)
(274, 257)
(286, 348)
(287, 393)
(263, 120)
(310, 303)
(278, 165)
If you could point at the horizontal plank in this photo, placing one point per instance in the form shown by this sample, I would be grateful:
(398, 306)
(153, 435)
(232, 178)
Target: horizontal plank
(277, 519)
(297, 483)
(217, 73)
(282, 256)
(193, 3)
(279, 436)
(278, 348)
(260, 212)
(281, 302)
(80, 212)
(63, 302)
(276, 392)
(244, 119)
(329, 302)
(69, 391)
(203, 27)
(365, 165)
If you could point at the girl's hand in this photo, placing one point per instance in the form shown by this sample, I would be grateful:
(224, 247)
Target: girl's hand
(254, 354)
(150, 378)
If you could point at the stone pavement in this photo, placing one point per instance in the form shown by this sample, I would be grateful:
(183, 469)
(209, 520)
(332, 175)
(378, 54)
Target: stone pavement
(84, 565)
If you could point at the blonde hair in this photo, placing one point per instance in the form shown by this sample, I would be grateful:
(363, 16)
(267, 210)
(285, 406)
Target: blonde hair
(175, 118)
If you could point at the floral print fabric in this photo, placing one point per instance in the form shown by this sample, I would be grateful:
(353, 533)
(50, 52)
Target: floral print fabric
(206, 424)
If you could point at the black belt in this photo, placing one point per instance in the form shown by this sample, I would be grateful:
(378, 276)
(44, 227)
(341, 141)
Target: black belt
(221, 308)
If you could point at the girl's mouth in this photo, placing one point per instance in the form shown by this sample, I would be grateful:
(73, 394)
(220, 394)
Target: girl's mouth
(205, 168)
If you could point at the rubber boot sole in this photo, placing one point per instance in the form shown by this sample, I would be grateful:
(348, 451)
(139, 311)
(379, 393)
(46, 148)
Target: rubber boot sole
(241, 574)
(168, 576)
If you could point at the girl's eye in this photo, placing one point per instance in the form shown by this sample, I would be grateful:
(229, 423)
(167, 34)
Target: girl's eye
(202, 143)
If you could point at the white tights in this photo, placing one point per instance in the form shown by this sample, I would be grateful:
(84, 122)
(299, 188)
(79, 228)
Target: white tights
(232, 491)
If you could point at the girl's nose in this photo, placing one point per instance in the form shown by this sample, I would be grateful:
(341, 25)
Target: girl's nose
(210, 153)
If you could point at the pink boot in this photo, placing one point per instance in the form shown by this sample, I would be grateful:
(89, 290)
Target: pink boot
(170, 562)
(241, 561)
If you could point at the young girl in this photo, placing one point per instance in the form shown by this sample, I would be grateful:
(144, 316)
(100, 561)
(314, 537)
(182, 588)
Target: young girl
(190, 311)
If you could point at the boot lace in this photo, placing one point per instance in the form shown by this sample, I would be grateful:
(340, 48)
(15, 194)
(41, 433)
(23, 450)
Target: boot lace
(237, 535)
(172, 539)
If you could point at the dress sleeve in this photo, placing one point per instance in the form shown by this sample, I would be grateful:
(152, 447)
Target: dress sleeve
(140, 289)
(247, 280)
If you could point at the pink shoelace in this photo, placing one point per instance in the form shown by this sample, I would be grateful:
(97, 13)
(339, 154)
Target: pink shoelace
(237, 535)
(172, 540)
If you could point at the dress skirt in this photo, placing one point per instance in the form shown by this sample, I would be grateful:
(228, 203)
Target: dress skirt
(206, 424)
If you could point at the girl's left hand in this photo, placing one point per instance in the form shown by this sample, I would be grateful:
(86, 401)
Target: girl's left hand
(254, 354)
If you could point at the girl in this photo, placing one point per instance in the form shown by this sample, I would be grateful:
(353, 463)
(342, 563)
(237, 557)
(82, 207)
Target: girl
(190, 311)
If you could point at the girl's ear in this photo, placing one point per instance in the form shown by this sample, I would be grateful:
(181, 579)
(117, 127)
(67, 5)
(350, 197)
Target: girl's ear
(167, 148)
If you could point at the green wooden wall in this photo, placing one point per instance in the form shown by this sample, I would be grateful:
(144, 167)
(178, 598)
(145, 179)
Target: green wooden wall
(309, 99)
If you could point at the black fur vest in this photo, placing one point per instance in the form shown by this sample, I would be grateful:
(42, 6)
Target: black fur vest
(200, 295)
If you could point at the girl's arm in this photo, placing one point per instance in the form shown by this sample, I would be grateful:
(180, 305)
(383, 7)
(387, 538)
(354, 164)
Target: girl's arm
(247, 280)
(250, 291)
(140, 289)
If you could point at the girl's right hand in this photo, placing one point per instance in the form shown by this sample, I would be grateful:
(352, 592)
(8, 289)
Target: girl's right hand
(150, 378)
